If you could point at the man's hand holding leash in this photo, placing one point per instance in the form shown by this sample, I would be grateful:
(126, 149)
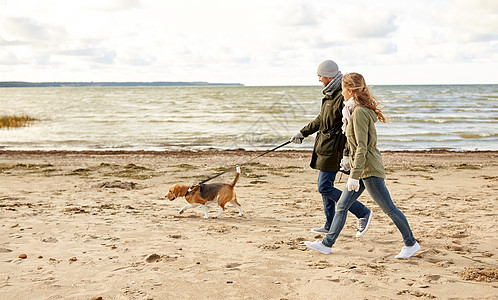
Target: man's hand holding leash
(297, 138)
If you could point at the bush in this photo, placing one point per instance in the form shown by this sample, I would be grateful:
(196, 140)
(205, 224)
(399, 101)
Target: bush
(15, 121)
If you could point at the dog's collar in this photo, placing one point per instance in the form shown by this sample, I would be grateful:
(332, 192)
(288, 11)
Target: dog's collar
(190, 189)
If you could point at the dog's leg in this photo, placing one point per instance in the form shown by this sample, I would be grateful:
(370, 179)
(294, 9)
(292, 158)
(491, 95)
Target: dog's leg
(220, 205)
(187, 206)
(234, 202)
(206, 211)
(220, 212)
(184, 208)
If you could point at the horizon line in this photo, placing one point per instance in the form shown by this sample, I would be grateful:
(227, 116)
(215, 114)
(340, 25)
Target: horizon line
(191, 83)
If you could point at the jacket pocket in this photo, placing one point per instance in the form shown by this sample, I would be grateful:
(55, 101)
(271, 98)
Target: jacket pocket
(327, 143)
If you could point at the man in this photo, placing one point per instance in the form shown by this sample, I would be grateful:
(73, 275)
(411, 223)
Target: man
(329, 147)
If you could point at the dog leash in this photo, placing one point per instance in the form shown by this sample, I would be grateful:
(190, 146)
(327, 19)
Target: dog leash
(232, 168)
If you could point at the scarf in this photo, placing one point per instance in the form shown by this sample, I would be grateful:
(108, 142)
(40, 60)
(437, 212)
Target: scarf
(334, 84)
(346, 113)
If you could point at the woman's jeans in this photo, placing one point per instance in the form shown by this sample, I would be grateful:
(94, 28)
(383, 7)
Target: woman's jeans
(378, 191)
(330, 195)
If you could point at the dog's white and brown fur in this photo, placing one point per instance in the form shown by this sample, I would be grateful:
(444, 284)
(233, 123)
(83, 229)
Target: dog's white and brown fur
(205, 194)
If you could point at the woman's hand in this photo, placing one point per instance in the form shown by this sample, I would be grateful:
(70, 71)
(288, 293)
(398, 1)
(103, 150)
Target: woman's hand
(353, 184)
(345, 164)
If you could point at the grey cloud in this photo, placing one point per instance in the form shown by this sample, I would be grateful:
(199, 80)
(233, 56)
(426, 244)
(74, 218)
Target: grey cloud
(29, 30)
(473, 37)
(463, 22)
(303, 15)
(96, 55)
(321, 42)
(80, 52)
(4, 42)
(240, 60)
(115, 5)
(105, 56)
(479, 6)
(372, 27)
(8, 58)
(386, 48)
(140, 62)
(46, 60)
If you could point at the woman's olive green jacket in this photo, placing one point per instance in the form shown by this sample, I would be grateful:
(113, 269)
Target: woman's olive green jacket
(364, 157)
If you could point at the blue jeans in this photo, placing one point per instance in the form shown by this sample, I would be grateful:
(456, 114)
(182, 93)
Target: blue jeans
(378, 191)
(330, 195)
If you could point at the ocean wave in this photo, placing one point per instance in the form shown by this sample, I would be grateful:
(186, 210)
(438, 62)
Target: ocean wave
(447, 120)
(404, 92)
(413, 134)
(467, 135)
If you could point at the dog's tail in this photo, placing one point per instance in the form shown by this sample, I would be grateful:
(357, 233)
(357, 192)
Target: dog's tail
(236, 176)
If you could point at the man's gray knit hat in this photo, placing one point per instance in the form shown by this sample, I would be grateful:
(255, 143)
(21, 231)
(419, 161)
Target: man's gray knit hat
(328, 68)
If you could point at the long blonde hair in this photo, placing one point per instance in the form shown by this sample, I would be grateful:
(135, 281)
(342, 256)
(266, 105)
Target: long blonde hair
(361, 94)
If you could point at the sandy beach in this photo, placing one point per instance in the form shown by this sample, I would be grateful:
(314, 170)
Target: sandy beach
(96, 225)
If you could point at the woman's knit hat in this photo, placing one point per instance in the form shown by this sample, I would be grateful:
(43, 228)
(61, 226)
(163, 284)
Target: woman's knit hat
(328, 68)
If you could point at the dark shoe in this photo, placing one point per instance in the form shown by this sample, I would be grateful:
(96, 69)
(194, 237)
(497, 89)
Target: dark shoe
(363, 223)
(320, 230)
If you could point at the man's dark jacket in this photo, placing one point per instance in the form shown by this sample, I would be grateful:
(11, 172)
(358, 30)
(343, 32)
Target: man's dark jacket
(329, 141)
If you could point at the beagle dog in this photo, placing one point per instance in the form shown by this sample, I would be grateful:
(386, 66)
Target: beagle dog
(205, 194)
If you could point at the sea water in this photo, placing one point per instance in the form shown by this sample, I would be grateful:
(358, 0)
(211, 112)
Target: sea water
(421, 117)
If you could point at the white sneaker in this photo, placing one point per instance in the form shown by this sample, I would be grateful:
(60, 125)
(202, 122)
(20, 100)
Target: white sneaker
(408, 251)
(318, 246)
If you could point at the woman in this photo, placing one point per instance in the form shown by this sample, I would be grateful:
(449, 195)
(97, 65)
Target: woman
(367, 169)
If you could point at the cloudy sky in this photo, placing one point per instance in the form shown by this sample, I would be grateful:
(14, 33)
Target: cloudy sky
(255, 42)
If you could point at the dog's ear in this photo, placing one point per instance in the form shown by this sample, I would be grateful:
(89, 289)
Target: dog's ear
(176, 189)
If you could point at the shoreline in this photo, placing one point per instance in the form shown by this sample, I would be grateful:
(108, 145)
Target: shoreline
(426, 158)
(220, 151)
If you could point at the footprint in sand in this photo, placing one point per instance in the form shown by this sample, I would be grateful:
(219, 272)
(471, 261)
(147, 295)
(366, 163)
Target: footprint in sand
(153, 258)
(49, 240)
(233, 265)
